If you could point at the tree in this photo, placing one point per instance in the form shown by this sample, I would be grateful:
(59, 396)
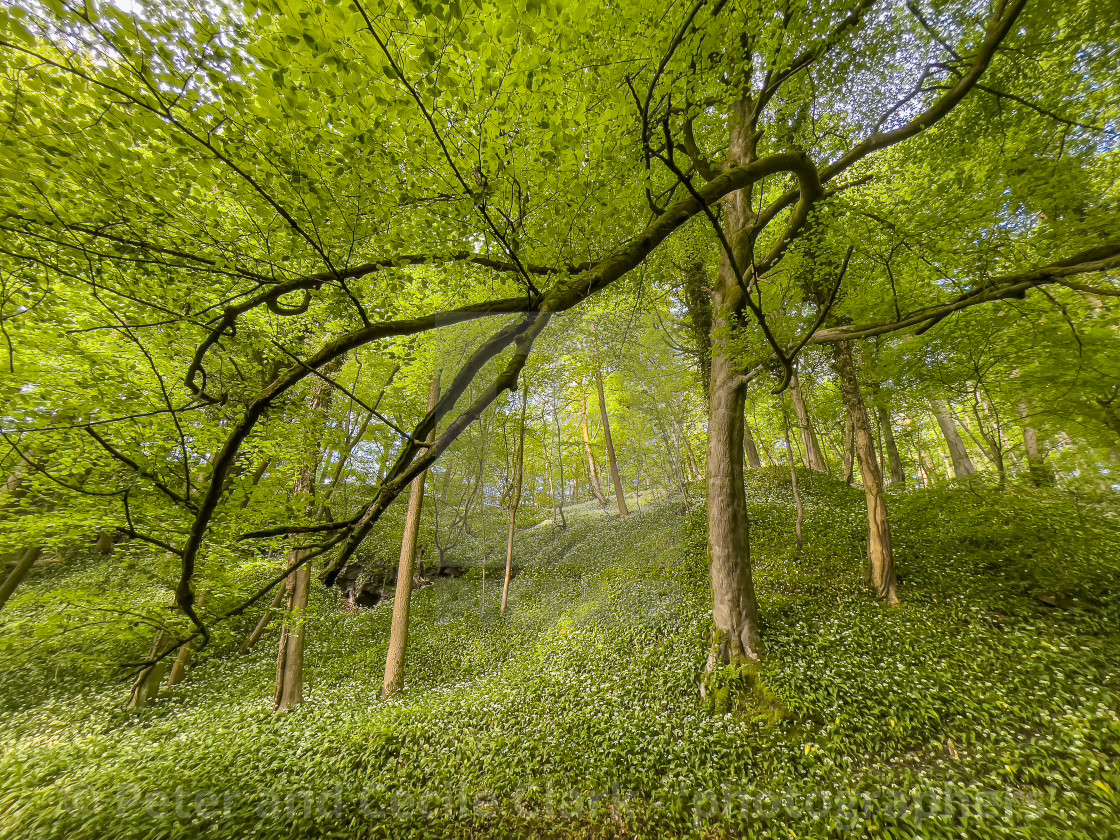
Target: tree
(514, 501)
(215, 224)
(406, 570)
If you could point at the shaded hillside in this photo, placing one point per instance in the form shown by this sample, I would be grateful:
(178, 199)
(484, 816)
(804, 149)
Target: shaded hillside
(995, 686)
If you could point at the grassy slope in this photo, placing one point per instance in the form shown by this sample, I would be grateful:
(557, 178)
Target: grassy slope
(577, 714)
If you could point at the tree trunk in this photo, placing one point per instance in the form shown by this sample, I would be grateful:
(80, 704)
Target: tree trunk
(962, 464)
(879, 551)
(402, 597)
(735, 624)
(619, 492)
(293, 635)
(800, 524)
(262, 625)
(289, 662)
(592, 471)
(1040, 472)
(20, 571)
(849, 450)
(560, 463)
(813, 455)
(515, 498)
(752, 451)
(179, 669)
(898, 474)
(145, 689)
(734, 606)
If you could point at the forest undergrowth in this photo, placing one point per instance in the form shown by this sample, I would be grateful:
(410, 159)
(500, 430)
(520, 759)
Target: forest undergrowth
(986, 705)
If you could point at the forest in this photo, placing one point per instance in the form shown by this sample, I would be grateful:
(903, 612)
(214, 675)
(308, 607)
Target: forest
(559, 418)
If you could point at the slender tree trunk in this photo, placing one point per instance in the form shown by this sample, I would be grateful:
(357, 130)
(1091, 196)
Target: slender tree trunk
(515, 498)
(556, 510)
(183, 660)
(898, 474)
(879, 551)
(962, 463)
(753, 460)
(813, 455)
(293, 634)
(1040, 472)
(402, 597)
(592, 471)
(800, 524)
(145, 688)
(289, 661)
(693, 464)
(849, 450)
(619, 491)
(266, 619)
(20, 571)
(560, 463)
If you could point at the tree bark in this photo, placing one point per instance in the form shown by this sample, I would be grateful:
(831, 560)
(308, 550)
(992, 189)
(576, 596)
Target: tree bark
(145, 689)
(515, 498)
(735, 624)
(183, 660)
(619, 492)
(753, 461)
(293, 634)
(849, 450)
(898, 474)
(289, 662)
(735, 630)
(879, 551)
(402, 597)
(592, 471)
(20, 571)
(560, 464)
(262, 625)
(813, 455)
(962, 463)
(800, 524)
(1040, 472)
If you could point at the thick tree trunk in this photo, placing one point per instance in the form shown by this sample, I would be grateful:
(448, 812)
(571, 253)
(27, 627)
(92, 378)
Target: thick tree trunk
(753, 461)
(20, 571)
(592, 471)
(619, 492)
(962, 463)
(898, 474)
(402, 597)
(515, 499)
(813, 455)
(183, 660)
(879, 551)
(1040, 472)
(735, 625)
(734, 605)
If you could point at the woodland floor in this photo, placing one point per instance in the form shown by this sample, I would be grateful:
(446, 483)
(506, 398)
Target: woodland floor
(988, 704)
